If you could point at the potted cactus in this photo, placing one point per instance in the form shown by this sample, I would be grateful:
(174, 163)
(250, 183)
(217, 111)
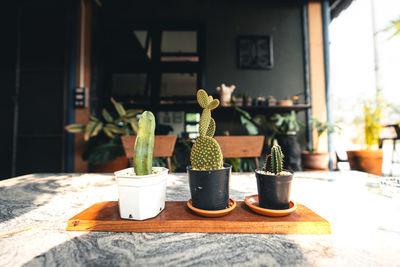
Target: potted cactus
(142, 189)
(208, 175)
(313, 158)
(274, 183)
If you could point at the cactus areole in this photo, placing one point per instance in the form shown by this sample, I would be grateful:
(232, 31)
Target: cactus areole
(144, 145)
(206, 153)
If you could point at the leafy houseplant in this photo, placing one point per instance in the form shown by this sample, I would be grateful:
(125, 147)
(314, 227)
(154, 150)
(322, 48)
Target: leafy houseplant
(142, 189)
(314, 158)
(370, 160)
(273, 183)
(208, 176)
(102, 135)
(285, 127)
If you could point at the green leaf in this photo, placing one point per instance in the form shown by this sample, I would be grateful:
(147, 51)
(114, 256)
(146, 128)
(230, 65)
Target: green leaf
(132, 113)
(134, 124)
(75, 128)
(97, 128)
(115, 129)
(108, 132)
(249, 125)
(93, 118)
(89, 130)
(120, 109)
(106, 115)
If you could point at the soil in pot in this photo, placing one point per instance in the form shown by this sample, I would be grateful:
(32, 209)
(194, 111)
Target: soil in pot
(314, 160)
(369, 161)
(210, 189)
(274, 190)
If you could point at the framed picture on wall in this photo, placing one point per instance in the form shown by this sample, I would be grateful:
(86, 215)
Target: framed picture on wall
(255, 52)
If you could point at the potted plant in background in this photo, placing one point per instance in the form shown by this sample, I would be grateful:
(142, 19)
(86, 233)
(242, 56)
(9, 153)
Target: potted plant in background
(370, 159)
(142, 189)
(314, 159)
(274, 183)
(103, 137)
(285, 127)
(208, 176)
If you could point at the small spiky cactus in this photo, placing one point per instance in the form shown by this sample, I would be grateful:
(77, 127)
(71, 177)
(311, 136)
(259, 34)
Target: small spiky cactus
(144, 145)
(274, 162)
(206, 153)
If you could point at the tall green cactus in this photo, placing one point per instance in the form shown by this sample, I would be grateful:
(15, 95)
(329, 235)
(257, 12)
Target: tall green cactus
(206, 153)
(274, 162)
(144, 145)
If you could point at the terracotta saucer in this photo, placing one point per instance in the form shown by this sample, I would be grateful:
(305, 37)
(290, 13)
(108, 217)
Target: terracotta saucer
(252, 203)
(212, 213)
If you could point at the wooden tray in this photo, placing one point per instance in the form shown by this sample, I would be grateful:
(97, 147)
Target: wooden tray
(176, 217)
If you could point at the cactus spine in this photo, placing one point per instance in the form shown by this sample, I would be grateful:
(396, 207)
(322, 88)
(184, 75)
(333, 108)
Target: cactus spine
(206, 153)
(274, 162)
(143, 156)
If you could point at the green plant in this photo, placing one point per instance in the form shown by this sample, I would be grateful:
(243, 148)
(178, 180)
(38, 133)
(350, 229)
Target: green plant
(144, 145)
(372, 118)
(321, 127)
(274, 162)
(206, 153)
(102, 134)
(285, 123)
(393, 26)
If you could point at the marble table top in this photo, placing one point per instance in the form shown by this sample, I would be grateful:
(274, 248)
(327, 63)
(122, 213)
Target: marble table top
(34, 210)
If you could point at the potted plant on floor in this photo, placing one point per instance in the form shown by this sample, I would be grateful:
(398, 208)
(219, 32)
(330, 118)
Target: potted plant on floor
(285, 127)
(208, 176)
(102, 135)
(314, 159)
(142, 189)
(370, 159)
(274, 183)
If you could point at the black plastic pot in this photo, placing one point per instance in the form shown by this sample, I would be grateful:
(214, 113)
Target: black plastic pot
(274, 190)
(210, 189)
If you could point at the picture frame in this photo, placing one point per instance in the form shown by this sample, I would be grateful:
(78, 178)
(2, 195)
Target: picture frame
(255, 52)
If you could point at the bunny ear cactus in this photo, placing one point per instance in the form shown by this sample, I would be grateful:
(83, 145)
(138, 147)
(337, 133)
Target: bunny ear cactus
(274, 161)
(144, 145)
(206, 153)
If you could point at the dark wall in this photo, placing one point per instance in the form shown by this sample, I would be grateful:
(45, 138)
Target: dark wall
(225, 21)
(40, 63)
(8, 25)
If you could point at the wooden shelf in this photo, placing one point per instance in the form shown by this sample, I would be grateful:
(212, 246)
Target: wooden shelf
(193, 107)
(176, 217)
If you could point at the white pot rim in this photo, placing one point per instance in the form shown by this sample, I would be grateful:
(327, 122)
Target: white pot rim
(127, 177)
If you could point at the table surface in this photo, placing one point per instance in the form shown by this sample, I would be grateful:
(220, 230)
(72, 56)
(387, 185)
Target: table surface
(34, 210)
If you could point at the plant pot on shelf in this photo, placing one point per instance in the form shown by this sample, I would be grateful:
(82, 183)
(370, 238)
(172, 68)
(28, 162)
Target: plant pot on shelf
(111, 166)
(369, 161)
(314, 160)
(210, 189)
(141, 197)
(273, 190)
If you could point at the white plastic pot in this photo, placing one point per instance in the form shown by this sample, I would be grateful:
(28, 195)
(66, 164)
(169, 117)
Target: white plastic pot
(141, 197)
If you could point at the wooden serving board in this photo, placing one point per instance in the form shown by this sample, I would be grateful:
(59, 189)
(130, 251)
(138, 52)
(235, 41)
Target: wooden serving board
(177, 217)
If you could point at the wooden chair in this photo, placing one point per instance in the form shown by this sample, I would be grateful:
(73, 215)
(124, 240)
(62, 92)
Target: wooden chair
(163, 146)
(241, 146)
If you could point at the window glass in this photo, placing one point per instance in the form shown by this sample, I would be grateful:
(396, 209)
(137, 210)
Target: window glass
(129, 84)
(179, 41)
(178, 84)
